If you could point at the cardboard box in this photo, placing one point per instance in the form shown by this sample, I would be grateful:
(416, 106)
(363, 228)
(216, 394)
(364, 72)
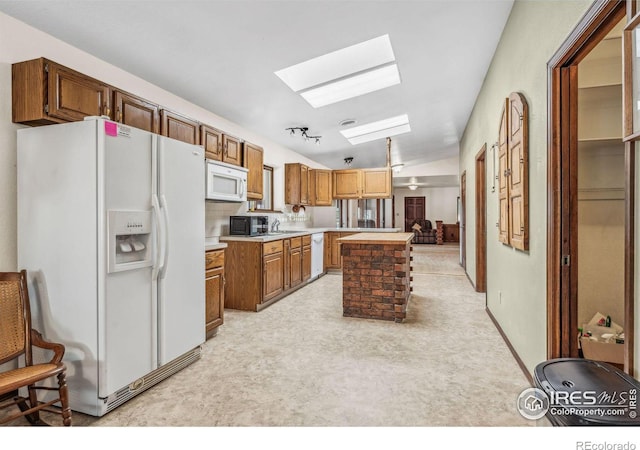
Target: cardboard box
(602, 351)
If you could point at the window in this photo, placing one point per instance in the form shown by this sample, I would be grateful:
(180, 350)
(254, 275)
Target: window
(367, 213)
(266, 204)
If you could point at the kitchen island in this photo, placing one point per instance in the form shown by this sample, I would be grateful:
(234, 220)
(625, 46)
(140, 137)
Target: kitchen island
(376, 275)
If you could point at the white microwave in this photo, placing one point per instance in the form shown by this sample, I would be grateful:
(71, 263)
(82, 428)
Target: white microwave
(225, 182)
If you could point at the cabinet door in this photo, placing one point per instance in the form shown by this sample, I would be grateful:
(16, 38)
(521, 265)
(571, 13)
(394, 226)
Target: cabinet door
(295, 262)
(252, 160)
(272, 284)
(346, 183)
(306, 262)
(334, 257)
(211, 140)
(287, 264)
(232, 150)
(376, 183)
(73, 96)
(179, 127)
(320, 187)
(214, 301)
(296, 184)
(304, 185)
(136, 112)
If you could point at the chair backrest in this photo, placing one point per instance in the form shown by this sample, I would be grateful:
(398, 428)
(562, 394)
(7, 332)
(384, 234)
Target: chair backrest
(15, 318)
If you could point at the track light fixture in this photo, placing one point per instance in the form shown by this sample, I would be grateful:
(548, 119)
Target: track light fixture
(304, 133)
(348, 160)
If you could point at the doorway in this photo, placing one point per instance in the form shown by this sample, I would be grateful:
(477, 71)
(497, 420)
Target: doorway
(481, 220)
(463, 228)
(590, 186)
(414, 208)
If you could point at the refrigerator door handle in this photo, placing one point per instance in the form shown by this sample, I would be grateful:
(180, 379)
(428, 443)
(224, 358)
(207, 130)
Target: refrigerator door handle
(165, 245)
(159, 256)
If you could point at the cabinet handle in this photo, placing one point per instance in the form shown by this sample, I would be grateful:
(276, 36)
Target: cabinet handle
(118, 115)
(106, 111)
(226, 149)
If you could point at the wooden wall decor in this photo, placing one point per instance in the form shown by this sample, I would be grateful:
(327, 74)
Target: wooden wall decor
(513, 173)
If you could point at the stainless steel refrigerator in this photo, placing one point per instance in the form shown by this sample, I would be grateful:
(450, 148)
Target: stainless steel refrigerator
(111, 232)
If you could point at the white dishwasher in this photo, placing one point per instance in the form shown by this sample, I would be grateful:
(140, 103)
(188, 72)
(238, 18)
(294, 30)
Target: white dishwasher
(317, 252)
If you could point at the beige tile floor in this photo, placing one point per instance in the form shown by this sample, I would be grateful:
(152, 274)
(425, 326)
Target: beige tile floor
(300, 363)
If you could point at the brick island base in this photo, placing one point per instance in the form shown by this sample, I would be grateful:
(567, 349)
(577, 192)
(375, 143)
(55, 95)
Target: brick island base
(376, 275)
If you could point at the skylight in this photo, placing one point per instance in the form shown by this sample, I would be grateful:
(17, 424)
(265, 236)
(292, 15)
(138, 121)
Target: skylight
(378, 130)
(345, 73)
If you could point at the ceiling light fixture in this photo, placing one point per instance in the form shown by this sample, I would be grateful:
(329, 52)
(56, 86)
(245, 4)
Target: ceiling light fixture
(412, 187)
(347, 122)
(397, 167)
(348, 160)
(304, 133)
(345, 73)
(377, 130)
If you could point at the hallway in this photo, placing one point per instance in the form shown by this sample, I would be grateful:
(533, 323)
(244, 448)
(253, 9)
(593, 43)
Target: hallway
(300, 363)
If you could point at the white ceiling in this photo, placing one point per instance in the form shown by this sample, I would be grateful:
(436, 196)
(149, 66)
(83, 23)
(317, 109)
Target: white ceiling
(222, 55)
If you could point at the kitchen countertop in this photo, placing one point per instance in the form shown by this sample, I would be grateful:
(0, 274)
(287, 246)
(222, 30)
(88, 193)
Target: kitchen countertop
(377, 238)
(284, 234)
(213, 244)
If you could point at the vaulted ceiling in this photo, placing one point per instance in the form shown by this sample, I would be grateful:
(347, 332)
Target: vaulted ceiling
(222, 55)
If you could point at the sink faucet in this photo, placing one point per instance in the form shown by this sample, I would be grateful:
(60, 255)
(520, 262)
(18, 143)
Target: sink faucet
(275, 225)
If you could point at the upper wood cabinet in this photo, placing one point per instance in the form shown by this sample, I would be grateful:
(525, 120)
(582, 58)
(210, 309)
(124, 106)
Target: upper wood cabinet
(45, 92)
(177, 126)
(296, 184)
(252, 159)
(376, 183)
(211, 140)
(136, 112)
(320, 193)
(346, 183)
(362, 183)
(220, 146)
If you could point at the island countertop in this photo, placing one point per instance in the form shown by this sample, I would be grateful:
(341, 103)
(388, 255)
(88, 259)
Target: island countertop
(377, 238)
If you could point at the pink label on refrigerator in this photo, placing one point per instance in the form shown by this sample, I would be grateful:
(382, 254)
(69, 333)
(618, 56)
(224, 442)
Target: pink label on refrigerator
(111, 128)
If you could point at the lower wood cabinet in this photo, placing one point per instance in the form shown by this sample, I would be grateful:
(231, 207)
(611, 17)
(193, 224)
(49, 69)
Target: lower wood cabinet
(306, 258)
(332, 258)
(214, 291)
(273, 271)
(259, 273)
(295, 261)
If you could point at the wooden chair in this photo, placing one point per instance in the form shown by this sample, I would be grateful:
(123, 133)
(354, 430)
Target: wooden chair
(17, 339)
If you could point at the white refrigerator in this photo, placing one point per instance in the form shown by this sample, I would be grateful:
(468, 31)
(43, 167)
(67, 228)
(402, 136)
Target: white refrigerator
(111, 233)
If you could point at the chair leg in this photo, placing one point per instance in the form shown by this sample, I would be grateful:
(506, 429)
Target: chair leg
(64, 399)
(34, 417)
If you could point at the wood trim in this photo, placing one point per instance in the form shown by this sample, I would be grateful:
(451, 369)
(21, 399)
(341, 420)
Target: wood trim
(521, 363)
(462, 232)
(593, 26)
(629, 256)
(587, 32)
(481, 220)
